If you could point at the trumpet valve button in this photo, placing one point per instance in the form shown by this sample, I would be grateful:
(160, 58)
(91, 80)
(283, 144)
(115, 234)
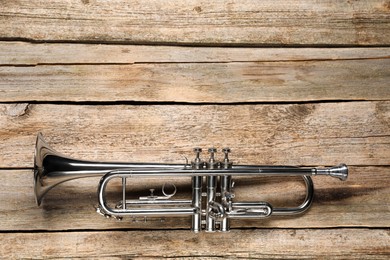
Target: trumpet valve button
(226, 150)
(212, 150)
(197, 150)
(197, 163)
(226, 162)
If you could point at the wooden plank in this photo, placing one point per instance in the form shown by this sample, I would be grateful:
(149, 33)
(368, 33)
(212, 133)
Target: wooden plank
(361, 201)
(356, 133)
(24, 53)
(197, 22)
(248, 244)
(278, 74)
(286, 81)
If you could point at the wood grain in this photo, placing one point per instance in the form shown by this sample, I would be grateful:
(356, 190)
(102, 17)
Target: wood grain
(356, 133)
(24, 53)
(200, 82)
(361, 201)
(248, 244)
(79, 72)
(198, 22)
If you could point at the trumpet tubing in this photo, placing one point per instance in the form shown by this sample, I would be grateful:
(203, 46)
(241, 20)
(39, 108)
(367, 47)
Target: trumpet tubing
(212, 205)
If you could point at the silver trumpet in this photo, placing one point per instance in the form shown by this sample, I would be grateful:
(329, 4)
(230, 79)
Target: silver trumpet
(212, 205)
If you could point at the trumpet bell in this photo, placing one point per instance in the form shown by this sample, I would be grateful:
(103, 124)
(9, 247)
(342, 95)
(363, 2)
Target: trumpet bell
(52, 168)
(42, 149)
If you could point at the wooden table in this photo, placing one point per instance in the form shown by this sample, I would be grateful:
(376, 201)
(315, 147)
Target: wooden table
(280, 82)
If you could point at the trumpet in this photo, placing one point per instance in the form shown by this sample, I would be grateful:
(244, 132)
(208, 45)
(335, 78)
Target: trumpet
(212, 205)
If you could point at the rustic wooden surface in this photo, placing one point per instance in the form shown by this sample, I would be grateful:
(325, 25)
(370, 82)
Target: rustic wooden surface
(301, 83)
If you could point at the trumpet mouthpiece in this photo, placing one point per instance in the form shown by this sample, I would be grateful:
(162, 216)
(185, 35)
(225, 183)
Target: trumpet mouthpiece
(340, 171)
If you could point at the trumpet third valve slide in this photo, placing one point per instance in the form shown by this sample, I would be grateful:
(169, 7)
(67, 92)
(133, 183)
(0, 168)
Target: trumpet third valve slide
(212, 205)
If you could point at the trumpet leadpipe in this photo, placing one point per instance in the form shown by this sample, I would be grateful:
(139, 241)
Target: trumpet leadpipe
(339, 172)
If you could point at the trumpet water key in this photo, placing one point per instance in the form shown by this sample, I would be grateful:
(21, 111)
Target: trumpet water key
(212, 205)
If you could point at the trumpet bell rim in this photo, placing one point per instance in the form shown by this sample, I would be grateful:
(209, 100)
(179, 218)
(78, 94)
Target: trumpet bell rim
(42, 149)
(38, 169)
